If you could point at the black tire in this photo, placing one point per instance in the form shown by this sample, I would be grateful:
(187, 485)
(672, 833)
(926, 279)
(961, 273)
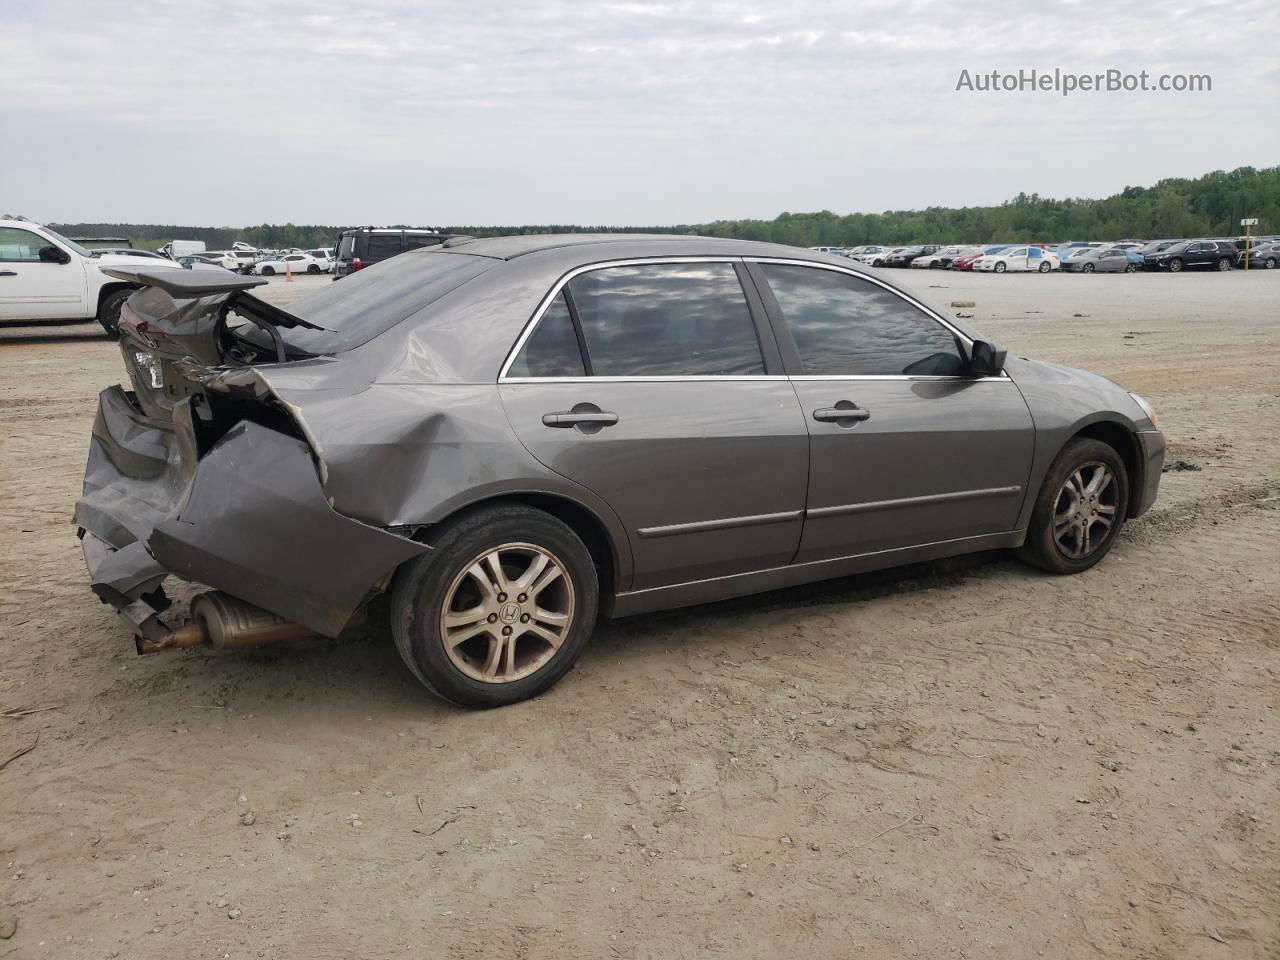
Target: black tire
(423, 586)
(1088, 268)
(313, 268)
(1269, 263)
(1175, 265)
(1224, 264)
(109, 311)
(1041, 549)
(1130, 268)
(1000, 267)
(268, 271)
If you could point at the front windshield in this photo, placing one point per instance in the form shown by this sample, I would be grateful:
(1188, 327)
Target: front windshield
(69, 243)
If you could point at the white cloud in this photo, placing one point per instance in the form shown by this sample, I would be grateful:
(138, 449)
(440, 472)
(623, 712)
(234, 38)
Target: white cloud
(242, 111)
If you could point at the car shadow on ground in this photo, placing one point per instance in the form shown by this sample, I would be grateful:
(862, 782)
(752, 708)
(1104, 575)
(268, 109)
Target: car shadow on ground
(51, 332)
(364, 671)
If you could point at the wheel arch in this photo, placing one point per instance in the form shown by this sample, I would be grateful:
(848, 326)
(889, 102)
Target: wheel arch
(106, 290)
(1120, 438)
(612, 563)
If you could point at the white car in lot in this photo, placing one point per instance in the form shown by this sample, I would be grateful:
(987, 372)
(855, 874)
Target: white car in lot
(290, 263)
(940, 259)
(323, 257)
(1018, 260)
(44, 276)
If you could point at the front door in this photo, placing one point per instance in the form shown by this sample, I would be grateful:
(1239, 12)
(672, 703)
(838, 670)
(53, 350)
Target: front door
(35, 289)
(648, 384)
(905, 448)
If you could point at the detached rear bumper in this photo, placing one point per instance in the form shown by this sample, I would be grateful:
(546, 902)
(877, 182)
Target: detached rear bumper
(247, 517)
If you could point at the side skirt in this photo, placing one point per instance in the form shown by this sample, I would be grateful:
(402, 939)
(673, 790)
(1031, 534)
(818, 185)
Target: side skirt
(760, 581)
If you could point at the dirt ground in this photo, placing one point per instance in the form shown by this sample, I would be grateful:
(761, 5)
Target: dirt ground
(967, 760)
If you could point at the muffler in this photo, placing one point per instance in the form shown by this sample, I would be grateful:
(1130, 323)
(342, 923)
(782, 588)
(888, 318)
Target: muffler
(220, 621)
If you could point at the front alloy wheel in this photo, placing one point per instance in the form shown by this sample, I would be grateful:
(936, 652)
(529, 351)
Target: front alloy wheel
(1085, 510)
(1079, 510)
(1000, 267)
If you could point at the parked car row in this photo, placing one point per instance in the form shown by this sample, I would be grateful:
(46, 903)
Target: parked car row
(1077, 256)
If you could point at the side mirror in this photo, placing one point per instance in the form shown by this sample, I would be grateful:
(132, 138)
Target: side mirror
(52, 254)
(986, 359)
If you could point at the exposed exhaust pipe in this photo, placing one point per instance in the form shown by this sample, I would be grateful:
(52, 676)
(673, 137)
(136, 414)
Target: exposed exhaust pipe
(220, 621)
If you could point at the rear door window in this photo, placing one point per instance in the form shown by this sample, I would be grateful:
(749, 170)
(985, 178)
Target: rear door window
(666, 320)
(383, 245)
(553, 349)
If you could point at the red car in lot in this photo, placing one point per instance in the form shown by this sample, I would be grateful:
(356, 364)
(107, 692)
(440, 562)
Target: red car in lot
(966, 261)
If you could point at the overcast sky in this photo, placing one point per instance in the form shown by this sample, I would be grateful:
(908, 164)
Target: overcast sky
(233, 112)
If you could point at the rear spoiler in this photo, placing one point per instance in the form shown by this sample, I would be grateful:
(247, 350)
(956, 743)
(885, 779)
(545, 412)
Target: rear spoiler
(185, 284)
(189, 284)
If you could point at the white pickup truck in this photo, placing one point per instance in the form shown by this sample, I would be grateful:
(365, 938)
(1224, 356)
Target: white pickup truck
(45, 276)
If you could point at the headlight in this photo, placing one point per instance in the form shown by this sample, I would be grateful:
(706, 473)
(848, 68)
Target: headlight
(151, 367)
(1146, 408)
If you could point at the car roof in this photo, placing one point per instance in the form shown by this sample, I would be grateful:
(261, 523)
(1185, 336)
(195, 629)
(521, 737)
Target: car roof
(636, 244)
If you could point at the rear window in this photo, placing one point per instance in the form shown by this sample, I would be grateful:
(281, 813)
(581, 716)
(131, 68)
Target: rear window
(359, 307)
(345, 246)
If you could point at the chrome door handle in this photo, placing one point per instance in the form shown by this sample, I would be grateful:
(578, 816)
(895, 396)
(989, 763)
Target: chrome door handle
(571, 419)
(845, 412)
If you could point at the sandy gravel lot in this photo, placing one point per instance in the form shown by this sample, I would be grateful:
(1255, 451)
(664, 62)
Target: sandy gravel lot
(966, 760)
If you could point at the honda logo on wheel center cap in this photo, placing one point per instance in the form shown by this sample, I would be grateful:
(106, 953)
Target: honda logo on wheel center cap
(509, 612)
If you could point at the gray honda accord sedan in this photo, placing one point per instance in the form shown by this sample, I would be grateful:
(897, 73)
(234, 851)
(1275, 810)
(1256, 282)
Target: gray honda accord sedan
(511, 437)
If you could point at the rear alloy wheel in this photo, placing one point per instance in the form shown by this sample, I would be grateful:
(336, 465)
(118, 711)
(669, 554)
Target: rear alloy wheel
(1000, 267)
(1175, 265)
(268, 271)
(1130, 268)
(1080, 509)
(499, 610)
(1224, 264)
(313, 268)
(1044, 267)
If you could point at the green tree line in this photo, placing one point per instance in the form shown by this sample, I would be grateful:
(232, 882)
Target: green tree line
(1211, 205)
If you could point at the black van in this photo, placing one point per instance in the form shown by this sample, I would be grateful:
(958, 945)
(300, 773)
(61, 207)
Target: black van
(365, 246)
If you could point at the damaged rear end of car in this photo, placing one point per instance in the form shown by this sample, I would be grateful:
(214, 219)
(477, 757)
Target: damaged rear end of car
(200, 470)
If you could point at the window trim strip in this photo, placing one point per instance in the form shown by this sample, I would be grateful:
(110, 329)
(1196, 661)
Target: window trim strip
(532, 324)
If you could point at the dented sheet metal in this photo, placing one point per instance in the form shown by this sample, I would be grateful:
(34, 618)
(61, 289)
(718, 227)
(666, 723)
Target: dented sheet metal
(256, 524)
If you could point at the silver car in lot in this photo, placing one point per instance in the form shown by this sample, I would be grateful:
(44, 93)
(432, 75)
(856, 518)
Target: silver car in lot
(510, 437)
(1103, 260)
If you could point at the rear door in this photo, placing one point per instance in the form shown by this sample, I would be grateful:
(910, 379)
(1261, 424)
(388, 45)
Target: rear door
(34, 289)
(905, 448)
(658, 386)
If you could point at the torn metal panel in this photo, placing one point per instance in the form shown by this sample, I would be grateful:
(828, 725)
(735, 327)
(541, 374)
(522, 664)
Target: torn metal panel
(257, 525)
